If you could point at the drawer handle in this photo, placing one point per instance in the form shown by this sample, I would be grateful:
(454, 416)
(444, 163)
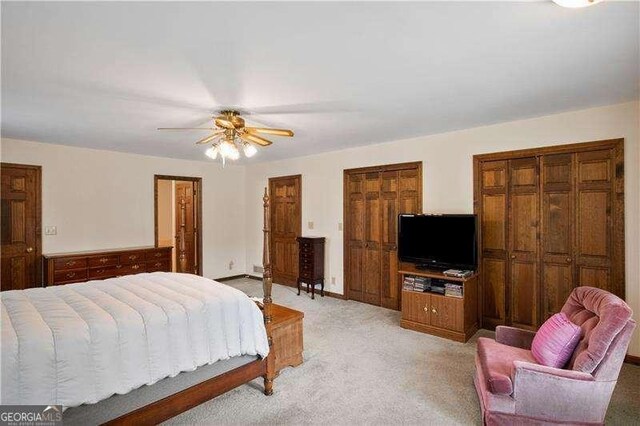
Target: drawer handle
(157, 264)
(70, 263)
(119, 266)
(426, 309)
(133, 257)
(135, 266)
(158, 254)
(433, 310)
(99, 271)
(71, 274)
(104, 260)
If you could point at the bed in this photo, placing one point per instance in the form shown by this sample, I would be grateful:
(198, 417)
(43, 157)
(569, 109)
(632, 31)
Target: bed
(134, 349)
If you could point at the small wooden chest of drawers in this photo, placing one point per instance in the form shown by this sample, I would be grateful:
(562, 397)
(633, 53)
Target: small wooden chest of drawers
(311, 263)
(66, 268)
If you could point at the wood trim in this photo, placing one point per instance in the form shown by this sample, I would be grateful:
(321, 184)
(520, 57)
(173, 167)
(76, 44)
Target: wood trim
(345, 209)
(38, 257)
(632, 359)
(184, 400)
(198, 188)
(298, 177)
(554, 149)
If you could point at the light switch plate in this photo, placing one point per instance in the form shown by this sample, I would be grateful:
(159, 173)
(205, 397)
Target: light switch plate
(50, 230)
(339, 226)
(310, 224)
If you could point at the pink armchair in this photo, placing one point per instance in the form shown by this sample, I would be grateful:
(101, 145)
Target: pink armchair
(514, 388)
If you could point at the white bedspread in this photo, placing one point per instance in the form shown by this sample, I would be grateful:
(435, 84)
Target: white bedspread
(81, 343)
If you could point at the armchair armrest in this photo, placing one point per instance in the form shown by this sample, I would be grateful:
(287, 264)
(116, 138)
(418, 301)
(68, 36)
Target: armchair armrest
(523, 367)
(515, 337)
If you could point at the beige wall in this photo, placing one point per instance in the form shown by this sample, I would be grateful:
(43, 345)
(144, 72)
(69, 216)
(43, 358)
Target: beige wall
(447, 174)
(102, 199)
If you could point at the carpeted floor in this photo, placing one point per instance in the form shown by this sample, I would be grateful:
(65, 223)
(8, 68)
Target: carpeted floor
(360, 367)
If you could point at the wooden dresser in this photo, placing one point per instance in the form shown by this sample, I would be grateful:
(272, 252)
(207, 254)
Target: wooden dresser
(311, 263)
(65, 268)
(454, 318)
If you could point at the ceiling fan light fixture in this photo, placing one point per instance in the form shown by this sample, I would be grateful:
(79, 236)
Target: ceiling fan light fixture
(212, 152)
(249, 150)
(229, 150)
(574, 4)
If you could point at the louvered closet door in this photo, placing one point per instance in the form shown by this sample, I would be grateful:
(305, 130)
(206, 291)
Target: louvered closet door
(354, 243)
(493, 177)
(371, 273)
(523, 284)
(557, 242)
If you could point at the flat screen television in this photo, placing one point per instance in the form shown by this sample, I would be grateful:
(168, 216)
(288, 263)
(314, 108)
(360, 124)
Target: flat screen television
(445, 241)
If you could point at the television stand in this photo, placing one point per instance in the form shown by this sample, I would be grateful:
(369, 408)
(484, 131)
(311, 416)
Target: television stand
(432, 312)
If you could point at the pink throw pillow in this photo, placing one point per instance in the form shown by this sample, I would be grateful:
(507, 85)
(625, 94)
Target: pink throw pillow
(555, 341)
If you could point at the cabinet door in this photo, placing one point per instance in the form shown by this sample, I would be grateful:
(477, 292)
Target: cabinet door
(389, 239)
(594, 191)
(557, 176)
(493, 237)
(523, 282)
(372, 233)
(447, 313)
(416, 307)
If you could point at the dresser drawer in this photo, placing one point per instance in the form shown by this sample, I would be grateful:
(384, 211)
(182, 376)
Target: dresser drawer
(133, 257)
(70, 263)
(163, 265)
(103, 260)
(68, 276)
(105, 272)
(134, 268)
(158, 254)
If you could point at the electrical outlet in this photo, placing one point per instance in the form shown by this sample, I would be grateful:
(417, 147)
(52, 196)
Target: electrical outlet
(310, 224)
(333, 280)
(50, 230)
(258, 269)
(339, 226)
(230, 264)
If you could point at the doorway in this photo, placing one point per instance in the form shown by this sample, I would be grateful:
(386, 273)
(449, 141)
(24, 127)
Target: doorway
(21, 196)
(178, 220)
(286, 227)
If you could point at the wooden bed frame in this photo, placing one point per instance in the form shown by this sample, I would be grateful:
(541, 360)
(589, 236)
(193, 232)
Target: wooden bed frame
(186, 399)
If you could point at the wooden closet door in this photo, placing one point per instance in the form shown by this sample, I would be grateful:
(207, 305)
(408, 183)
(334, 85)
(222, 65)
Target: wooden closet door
(354, 238)
(286, 227)
(185, 227)
(372, 238)
(523, 283)
(493, 190)
(557, 236)
(389, 191)
(594, 224)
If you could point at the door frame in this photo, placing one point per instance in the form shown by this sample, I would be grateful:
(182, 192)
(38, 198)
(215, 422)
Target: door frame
(345, 211)
(197, 181)
(38, 257)
(272, 216)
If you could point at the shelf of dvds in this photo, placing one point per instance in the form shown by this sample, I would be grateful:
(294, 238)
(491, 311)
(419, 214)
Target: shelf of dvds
(437, 304)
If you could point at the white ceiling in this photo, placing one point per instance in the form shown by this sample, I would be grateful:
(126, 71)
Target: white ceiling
(106, 75)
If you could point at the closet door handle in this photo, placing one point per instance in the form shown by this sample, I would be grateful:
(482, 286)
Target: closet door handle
(569, 260)
(513, 256)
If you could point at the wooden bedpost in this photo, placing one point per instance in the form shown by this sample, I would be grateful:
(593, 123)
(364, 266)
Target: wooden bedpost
(266, 288)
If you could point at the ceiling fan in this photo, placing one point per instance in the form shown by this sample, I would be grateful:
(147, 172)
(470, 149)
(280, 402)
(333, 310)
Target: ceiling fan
(230, 134)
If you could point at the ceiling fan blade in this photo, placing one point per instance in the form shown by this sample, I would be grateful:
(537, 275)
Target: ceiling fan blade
(268, 131)
(208, 138)
(224, 123)
(255, 139)
(187, 128)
